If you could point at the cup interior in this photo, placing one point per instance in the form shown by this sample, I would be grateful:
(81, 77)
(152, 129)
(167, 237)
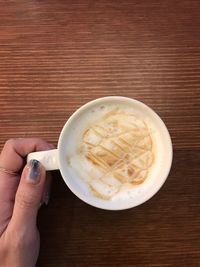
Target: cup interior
(70, 137)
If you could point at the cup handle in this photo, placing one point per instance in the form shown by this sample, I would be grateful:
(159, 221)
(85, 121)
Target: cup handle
(48, 158)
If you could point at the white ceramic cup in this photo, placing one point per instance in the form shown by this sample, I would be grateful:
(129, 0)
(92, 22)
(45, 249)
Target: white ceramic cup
(56, 159)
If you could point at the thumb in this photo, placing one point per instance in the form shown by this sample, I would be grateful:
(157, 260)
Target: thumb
(29, 195)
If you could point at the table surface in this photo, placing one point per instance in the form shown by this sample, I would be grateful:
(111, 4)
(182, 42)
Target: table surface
(57, 55)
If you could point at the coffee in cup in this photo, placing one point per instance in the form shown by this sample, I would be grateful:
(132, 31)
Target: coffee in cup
(113, 153)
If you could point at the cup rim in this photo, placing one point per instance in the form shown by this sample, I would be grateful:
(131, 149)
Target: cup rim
(104, 100)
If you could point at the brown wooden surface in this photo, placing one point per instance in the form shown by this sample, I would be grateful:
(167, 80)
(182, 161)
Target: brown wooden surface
(56, 56)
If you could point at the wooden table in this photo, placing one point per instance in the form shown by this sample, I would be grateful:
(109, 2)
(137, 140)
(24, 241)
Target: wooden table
(57, 55)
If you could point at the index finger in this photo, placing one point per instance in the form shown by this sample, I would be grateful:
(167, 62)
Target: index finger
(15, 150)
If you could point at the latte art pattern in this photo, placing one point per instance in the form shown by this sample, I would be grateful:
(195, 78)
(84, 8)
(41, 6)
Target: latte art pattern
(116, 152)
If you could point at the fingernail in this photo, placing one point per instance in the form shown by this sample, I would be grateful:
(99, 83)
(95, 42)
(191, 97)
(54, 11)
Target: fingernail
(33, 175)
(46, 197)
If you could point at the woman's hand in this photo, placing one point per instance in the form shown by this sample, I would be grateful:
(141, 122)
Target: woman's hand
(20, 199)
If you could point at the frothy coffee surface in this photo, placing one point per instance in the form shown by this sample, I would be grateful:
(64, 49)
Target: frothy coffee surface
(115, 153)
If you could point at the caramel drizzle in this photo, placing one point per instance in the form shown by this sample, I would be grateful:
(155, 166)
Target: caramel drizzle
(125, 147)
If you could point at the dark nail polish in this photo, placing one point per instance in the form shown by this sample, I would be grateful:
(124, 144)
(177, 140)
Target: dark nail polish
(34, 171)
(46, 198)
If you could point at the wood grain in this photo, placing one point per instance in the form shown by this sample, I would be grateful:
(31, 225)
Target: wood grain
(56, 56)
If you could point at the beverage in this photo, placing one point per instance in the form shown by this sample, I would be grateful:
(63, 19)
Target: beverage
(115, 153)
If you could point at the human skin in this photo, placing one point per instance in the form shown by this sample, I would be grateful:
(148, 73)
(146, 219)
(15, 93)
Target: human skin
(21, 195)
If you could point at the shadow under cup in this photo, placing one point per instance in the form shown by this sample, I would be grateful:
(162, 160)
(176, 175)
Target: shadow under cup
(70, 139)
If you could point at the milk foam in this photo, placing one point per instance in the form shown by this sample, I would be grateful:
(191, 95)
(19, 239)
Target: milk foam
(115, 151)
